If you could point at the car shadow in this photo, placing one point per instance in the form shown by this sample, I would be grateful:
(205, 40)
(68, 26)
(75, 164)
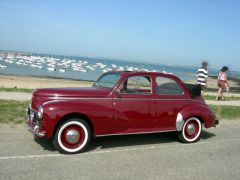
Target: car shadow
(131, 140)
(107, 142)
(46, 144)
(206, 135)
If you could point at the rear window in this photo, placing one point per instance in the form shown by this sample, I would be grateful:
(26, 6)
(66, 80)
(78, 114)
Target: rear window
(168, 86)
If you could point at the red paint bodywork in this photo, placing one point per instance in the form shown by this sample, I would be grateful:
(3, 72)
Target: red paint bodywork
(109, 112)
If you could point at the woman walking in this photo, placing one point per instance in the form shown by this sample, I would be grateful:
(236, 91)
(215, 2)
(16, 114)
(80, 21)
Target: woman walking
(222, 82)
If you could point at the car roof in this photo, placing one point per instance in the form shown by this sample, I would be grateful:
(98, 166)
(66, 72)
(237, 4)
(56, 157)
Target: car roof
(165, 74)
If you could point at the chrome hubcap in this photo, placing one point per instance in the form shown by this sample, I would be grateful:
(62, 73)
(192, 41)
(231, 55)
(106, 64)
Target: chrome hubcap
(191, 129)
(72, 136)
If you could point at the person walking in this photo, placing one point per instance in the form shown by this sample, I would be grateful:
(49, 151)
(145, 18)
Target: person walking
(222, 83)
(202, 76)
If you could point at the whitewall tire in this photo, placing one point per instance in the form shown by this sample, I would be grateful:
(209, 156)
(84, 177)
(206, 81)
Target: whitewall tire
(72, 136)
(191, 131)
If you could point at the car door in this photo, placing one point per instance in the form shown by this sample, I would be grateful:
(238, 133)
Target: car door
(134, 106)
(170, 99)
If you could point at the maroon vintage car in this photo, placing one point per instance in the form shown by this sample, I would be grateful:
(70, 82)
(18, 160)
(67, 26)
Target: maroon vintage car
(118, 103)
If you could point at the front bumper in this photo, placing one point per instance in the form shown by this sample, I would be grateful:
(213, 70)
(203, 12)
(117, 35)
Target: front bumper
(33, 126)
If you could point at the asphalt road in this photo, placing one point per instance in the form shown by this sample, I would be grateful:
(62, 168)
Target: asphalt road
(153, 156)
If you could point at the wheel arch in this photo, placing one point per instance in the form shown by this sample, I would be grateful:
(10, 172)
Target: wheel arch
(182, 118)
(74, 115)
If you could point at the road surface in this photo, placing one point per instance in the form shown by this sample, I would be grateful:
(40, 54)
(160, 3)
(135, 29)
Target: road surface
(152, 156)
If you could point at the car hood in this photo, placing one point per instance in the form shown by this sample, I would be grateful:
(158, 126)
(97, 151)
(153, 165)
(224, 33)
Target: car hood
(72, 92)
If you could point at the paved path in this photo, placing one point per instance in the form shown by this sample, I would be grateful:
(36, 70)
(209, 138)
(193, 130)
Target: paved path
(148, 156)
(18, 96)
(224, 103)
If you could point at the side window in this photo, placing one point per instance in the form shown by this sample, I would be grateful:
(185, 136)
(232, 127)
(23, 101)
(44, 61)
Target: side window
(137, 85)
(168, 86)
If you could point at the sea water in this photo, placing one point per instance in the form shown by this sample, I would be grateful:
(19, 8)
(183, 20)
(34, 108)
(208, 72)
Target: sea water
(185, 73)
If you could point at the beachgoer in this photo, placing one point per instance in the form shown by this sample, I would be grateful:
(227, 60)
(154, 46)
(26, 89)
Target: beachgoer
(202, 75)
(222, 82)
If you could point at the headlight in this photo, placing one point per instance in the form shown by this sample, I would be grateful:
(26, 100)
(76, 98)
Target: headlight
(40, 112)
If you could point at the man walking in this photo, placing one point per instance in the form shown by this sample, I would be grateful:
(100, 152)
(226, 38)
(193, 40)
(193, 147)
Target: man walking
(202, 75)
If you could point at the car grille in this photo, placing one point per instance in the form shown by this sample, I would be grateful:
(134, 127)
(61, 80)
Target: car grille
(33, 115)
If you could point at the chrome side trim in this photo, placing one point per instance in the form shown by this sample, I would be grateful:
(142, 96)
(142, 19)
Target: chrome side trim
(122, 134)
(75, 98)
(179, 122)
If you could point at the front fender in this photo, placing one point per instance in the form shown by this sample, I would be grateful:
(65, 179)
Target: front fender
(201, 111)
(98, 112)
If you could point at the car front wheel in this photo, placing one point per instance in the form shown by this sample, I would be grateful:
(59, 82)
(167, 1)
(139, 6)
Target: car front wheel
(191, 131)
(72, 136)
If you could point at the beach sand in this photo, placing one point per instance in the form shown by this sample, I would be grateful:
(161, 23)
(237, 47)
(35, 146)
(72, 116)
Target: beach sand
(29, 82)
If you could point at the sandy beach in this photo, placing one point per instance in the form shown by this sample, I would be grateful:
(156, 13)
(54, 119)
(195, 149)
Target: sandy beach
(29, 82)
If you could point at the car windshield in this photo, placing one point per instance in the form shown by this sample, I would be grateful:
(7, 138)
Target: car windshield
(108, 80)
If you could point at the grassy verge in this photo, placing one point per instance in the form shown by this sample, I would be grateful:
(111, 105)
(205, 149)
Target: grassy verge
(226, 112)
(16, 90)
(228, 98)
(12, 112)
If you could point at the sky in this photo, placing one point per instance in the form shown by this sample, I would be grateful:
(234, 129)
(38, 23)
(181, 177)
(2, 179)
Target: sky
(171, 32)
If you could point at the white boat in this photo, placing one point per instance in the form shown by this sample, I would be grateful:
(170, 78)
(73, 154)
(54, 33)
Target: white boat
(120, 69)
(114, 65)
(51, 69)
(34, 65)
(82, 70)
(130, 69)
(75, 69)
(62, 70)
(91, 68)
(19, 62)
(2, 66)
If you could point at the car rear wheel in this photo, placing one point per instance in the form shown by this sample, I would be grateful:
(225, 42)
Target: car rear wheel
(191, 131)
(72, 136)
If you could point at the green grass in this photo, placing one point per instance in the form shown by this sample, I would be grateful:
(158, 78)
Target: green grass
(226, 112)
(228, 98)
(12, 112)
(16, 90)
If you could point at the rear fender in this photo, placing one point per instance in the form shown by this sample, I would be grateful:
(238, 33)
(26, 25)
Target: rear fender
(200, 111)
